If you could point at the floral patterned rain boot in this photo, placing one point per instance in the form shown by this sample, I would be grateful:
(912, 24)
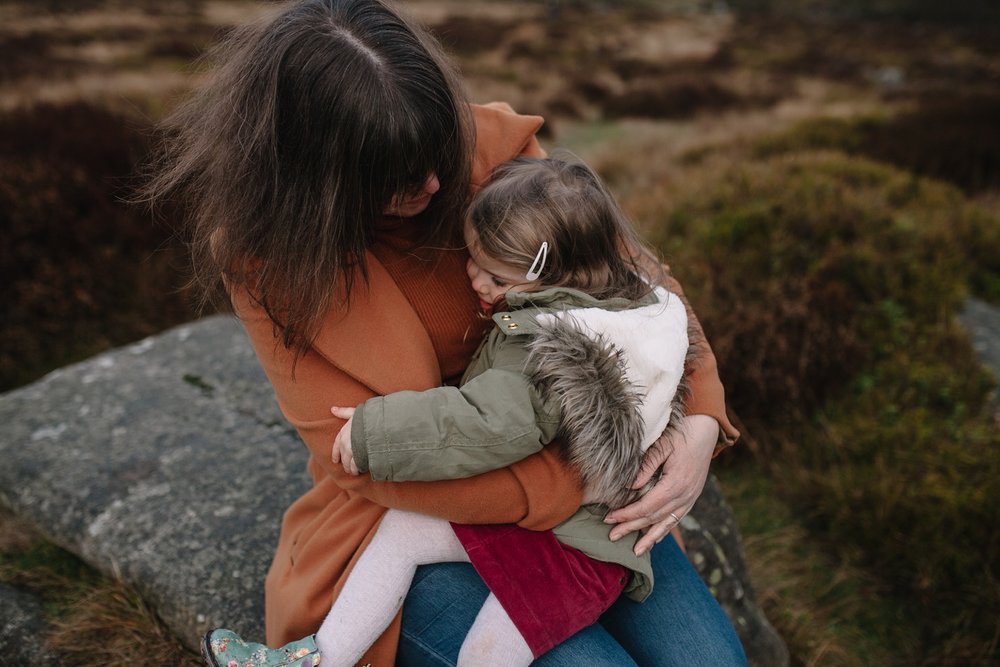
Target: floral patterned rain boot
(224, 648)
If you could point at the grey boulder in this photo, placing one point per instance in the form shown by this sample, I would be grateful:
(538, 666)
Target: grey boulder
(167, 464)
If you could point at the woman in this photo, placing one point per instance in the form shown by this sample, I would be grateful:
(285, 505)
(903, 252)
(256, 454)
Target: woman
(326, 165)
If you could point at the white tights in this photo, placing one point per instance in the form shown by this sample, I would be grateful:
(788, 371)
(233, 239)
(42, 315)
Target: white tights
(377, 585)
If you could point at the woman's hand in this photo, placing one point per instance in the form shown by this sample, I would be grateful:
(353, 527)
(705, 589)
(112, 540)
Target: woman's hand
(684, 459)
(341, 452)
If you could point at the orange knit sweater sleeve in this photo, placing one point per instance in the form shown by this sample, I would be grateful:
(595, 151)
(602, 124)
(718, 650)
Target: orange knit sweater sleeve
(707, 396)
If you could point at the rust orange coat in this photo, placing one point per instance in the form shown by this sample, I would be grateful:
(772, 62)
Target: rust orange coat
(375, 348)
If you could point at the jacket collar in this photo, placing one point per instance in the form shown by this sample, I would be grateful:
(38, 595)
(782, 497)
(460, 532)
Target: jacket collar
(565, 298)
(524, 307)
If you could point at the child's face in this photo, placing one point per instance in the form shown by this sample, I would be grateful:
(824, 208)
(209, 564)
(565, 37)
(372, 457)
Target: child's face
(490, 278)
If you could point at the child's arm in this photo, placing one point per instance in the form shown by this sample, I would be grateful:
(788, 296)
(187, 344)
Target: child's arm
(494, 420)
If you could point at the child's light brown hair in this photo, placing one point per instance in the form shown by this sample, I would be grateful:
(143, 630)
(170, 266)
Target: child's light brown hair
(592, 246)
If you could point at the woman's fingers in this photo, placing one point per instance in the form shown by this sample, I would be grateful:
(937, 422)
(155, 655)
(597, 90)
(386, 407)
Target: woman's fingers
(653, 506)
(644, 523)
(655, 534)
(651, 537)
(684, 461)
(652, 461)
(654, 530)
(623, 529)
(654, 514)
(343, 413)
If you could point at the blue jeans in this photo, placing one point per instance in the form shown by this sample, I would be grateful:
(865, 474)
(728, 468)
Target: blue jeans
(679, 624)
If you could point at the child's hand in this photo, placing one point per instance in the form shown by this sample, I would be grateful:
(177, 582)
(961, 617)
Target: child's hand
(341, 452)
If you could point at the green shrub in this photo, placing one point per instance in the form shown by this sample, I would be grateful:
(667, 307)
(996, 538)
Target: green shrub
(966, 11)
(84, 270)
(956, 139)
(796, 259)
(829, 286)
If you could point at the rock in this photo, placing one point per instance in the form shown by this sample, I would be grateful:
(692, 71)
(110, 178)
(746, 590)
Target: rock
(713, 545)
(167, 464)
(982, 321)
(23, 629)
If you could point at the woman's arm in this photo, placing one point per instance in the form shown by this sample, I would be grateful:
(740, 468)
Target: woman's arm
(684, 459)
(538, 492)
(707, 396)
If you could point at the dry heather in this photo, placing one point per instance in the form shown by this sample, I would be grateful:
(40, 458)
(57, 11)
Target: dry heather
(94, 621)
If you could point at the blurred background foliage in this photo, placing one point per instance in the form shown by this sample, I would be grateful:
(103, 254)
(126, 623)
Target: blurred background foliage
(832, 285)
(961, 11)
(823, 178)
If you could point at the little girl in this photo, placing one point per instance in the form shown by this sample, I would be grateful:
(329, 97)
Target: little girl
(584, 349)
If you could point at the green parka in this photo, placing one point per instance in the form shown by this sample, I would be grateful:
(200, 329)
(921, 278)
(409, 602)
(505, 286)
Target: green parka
(507, 408)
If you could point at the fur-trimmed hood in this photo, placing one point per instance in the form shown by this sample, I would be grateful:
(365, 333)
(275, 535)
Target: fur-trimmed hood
(616, 369)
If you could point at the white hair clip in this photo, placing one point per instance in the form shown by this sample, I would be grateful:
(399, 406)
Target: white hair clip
(539, 263)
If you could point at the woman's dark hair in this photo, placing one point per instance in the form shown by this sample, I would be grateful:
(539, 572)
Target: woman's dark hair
(285, 160)
(592, 246)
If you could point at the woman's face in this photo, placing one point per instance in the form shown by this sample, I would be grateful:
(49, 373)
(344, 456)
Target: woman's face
(413, 203)
(490, 278)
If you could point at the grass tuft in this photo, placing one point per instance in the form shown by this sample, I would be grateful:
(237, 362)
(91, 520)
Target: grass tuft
(94, 620)
(828, 611)
(112, 625)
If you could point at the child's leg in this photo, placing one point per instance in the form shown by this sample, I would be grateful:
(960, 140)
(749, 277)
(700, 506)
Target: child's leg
(493, 639)
(378, 583)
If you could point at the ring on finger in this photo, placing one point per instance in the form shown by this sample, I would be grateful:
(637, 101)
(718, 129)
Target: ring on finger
(675, 518)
